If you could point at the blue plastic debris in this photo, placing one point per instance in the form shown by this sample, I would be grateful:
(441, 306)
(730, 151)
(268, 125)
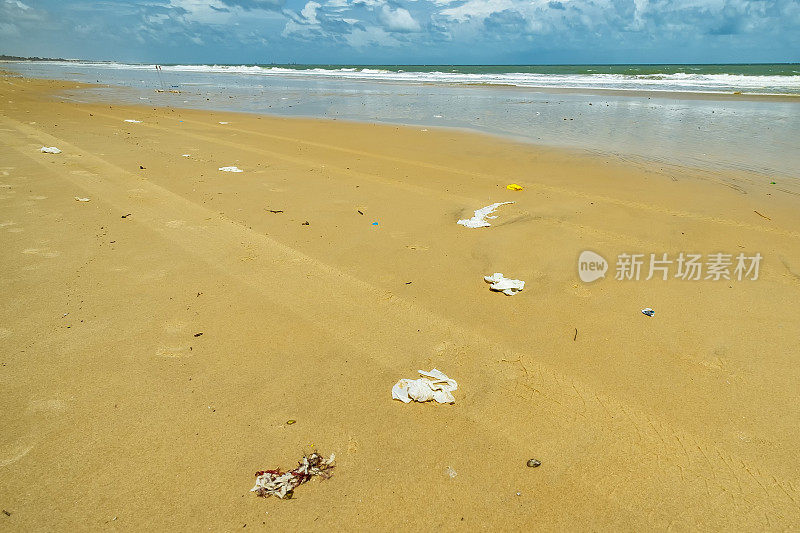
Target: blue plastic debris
(374, 223)
(649, 312)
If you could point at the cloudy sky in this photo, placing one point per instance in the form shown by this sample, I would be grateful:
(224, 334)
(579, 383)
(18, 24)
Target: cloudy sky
(405, 31)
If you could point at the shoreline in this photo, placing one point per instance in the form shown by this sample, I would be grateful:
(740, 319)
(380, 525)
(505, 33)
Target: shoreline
(634, 93)
(698, 131)
(160, 336)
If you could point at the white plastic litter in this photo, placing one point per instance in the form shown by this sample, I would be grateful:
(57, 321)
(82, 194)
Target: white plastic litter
(133, 121)
(438, 387)
(509, 287)
(281, 484)
(231, 169)
(78, 198)
(50, 150)
(186, 155)
(478, 220)
(223, 123)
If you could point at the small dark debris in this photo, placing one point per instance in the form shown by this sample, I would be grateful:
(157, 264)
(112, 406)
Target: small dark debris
(290, 422)
(6, 513)
(126, 216)
(360, 212)
(275, 210)
(408, 283)
(533, 463)
(198, 334)
(141, 167)
(306, 223)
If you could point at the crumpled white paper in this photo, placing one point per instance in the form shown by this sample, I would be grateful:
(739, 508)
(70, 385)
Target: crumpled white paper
(509, 287)
(438, 387)
(231, 169)
(50, 150)
(478, 220)
(133, 121)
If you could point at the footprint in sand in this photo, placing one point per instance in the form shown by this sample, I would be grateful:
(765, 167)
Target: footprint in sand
(450, 350)
(153, 275)
(581, 291)
(352, 445)
(41, 251)
(173, 352)
(51, 405)
(175, 326)
(137, 194)
(84, 173)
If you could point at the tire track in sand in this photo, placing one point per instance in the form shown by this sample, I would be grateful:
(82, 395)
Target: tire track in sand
(691, 476)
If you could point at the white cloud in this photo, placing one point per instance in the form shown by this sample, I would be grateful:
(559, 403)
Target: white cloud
(399, 20)
(371, 36)
(309, 12)
(476, 9)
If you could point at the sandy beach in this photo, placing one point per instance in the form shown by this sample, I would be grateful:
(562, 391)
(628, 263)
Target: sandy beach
(156, 339)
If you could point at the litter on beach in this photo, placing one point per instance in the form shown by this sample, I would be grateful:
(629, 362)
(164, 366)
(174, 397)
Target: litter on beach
(133, 121)
(282, 484)
(49, 150)
(231, 169)
(435, 385)
(514, 187)
(78, 198)
(478, 220)
(649, 312)
(499, 283)
(186, 155)
(223, 123)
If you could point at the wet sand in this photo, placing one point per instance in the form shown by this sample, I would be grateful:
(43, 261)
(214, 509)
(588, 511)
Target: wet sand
(118, 414)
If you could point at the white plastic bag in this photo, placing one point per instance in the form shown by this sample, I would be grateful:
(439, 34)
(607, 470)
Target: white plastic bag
(478, 220)
(509, 287)
(434, 386)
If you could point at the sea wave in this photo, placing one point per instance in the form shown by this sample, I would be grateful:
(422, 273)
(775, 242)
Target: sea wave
(675, 81)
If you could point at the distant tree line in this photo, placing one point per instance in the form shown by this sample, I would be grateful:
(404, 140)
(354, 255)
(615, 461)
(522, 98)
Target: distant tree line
(4, 57)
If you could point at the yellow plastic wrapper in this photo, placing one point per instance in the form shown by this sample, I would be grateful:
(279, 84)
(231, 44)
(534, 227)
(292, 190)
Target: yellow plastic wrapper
(514, 187)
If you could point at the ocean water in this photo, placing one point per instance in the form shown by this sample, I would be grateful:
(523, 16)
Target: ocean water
(598, 108)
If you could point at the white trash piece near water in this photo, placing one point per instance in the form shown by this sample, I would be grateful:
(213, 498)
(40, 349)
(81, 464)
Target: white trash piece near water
(478, 220)
(509, 287)
(186, 155)
(231, 169)
(133, 121)
(49, 150)
(78, 198)
(434, 386)
(223, 123)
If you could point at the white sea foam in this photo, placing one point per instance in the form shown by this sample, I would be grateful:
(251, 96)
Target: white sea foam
(680, 81)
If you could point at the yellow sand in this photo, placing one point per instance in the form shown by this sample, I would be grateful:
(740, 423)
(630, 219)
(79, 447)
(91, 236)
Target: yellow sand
(117, 416)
